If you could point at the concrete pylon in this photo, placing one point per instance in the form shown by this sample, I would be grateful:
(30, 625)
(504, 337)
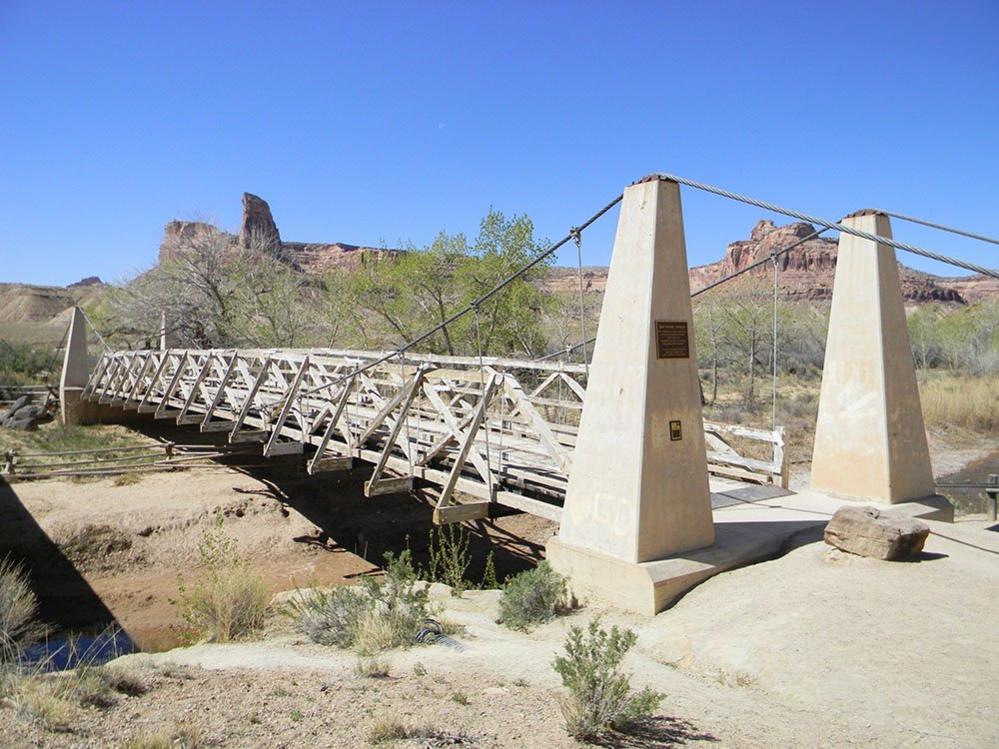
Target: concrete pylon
(164, 333)
(869, 437)
(638, 487)
(75, 371)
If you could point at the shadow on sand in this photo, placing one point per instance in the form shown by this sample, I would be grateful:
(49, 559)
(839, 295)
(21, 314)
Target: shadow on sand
(66, 600)
(658, 733)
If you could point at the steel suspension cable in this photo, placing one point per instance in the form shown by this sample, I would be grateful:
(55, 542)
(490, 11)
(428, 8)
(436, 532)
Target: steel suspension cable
(96, 331)
(474, 303)
(713, 284)
(773, 404)
(941, 227)
(578, 238)
(906, 247)
(485, 407)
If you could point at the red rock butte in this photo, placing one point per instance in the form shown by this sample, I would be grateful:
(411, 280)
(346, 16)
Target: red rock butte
(259, 230)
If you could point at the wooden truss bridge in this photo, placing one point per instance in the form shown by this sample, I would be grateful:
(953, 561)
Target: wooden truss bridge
(498, 431)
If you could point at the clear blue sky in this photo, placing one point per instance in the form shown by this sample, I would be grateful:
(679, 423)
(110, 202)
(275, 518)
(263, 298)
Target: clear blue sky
(386, 122)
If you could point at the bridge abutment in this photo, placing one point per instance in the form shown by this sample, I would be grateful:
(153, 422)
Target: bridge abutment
(638, 489)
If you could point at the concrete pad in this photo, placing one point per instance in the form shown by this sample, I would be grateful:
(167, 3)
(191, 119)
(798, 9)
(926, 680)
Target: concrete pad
(746, 532)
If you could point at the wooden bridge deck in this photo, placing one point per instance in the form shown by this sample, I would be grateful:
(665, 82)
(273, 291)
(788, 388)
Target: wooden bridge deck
(497, 431)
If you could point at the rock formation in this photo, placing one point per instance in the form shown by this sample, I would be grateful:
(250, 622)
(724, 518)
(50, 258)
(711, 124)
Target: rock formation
(181, 235)
(806, 272)
(259, 231)
(258, 228)
(88, 281)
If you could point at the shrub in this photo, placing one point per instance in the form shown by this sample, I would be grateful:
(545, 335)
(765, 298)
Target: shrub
(19, 625)
(600, 699)
(371, 668)
(43, 701)
(449, 557)
(392, 729)
(384, 613)
(99, 686)
(185, 736)
(227, 601)
(329, 617)
(399, 606)
(533, 597)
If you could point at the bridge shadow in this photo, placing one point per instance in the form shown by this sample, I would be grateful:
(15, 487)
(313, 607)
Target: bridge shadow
(66, 600)
(371, 526)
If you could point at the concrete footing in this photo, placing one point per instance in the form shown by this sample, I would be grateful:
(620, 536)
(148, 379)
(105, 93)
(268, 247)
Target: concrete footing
(744, 534)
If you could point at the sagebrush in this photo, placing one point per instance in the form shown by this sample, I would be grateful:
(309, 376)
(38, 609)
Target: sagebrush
(534, 597)
(600, 698)
(381, 614)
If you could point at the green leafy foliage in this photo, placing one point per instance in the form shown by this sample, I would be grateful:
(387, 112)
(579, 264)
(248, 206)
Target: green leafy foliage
(533, 597)
(24, 363)
(600, 699)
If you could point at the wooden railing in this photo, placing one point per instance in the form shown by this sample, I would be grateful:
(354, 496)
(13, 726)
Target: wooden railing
(500, 431)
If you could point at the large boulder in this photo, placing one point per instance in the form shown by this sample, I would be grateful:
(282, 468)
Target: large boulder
(14, 407)
(871, 532)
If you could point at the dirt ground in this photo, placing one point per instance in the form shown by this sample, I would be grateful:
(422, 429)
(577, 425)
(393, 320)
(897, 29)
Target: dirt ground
(814, 649)
(817, 648)
(102, 554)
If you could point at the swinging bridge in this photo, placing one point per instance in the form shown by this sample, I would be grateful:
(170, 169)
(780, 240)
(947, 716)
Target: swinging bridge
(485, 432)
(497, 430)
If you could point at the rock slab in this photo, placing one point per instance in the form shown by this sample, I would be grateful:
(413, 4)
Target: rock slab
(869, 532)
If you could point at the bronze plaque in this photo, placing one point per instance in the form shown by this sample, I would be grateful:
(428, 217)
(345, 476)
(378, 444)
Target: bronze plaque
(672, 341)
(675, 431)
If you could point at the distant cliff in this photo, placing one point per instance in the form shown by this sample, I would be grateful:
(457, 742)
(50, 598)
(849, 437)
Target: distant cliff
(806, 272)
(259, 230)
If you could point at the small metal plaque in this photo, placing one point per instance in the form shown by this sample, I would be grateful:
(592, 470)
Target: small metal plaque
(672, 341)
(675, 431)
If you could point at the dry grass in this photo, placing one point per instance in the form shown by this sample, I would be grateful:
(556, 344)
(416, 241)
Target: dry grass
(376, 632)
(127, 479)
(185, 736)
(18, 611)
(384, 730)
(964, 402)
(44, 701)
(227, 601)
(372, 668)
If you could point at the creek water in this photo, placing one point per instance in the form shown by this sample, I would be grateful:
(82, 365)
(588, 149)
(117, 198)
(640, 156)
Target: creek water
(69, 650)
